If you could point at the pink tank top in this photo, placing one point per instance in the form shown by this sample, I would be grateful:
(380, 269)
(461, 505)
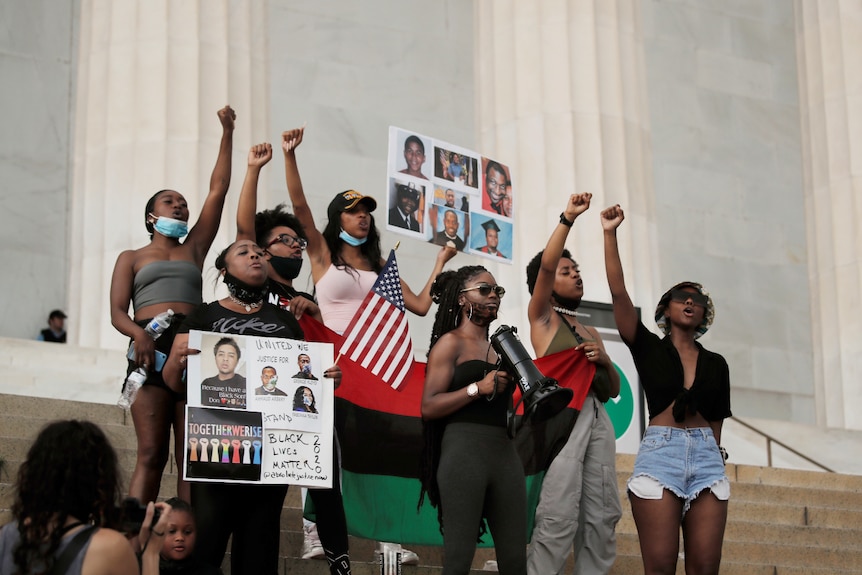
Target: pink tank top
(339, 294)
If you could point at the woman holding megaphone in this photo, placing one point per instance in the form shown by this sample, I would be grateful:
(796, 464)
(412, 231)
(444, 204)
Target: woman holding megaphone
(470, 469)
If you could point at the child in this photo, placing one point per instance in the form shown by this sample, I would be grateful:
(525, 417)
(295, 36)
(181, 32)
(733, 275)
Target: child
(179, 543)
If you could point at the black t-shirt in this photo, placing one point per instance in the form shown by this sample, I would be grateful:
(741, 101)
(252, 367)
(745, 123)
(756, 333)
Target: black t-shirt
(663, 379)
(267, 321)
(217, 392)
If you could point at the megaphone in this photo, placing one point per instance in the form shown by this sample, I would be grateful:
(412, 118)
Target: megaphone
(542, 397)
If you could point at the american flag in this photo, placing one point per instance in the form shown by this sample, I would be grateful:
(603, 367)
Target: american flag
(377, 337)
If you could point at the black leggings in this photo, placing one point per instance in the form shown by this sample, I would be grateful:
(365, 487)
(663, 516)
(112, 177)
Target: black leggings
(331, 522)
(480, 475)
(252, 514)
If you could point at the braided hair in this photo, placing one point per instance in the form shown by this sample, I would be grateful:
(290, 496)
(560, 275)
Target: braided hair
(71, 472)
(445, 290)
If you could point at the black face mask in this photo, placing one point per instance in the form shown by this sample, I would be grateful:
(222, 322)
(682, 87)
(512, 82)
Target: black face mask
(287, 268)
(565, 302)
(242, 291)
(480, 314)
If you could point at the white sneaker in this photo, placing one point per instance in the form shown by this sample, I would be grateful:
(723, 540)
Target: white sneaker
(311, 546)
(490, 565)
(407, 557)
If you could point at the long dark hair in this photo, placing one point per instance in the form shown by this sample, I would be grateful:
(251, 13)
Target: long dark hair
(370, 250)
(445, 290)
(71, 471)
(299, 405)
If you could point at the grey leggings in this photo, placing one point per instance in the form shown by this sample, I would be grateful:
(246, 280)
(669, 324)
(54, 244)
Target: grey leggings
(479, 475)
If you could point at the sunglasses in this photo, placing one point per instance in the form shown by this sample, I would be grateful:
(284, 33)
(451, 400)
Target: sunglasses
(289, 241)
(683, 296)
(486, 289)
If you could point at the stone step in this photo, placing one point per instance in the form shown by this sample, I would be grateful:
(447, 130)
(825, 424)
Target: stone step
(778, 514)
(754, 553)
(629, 564)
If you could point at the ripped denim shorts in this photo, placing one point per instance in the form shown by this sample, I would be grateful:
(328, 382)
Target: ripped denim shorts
(683, 461)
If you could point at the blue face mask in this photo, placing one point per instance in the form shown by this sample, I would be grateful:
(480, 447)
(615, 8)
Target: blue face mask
(350, 240)
(171, 228)
(306, 400)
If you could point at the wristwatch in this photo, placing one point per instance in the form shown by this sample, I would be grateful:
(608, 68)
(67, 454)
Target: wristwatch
(473, 389)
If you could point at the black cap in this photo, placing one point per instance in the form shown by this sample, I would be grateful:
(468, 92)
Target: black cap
(56, 313)
(490, 225)
(346, 201)
(408, 190)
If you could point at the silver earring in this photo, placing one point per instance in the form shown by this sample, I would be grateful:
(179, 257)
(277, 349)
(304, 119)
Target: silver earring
(470, 313)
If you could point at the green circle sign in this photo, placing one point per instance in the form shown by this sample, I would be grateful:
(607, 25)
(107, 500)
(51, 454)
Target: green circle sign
(621, 408)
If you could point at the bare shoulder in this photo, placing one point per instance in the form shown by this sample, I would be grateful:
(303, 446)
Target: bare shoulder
(109, 553)
(594, 332)
(446, 349)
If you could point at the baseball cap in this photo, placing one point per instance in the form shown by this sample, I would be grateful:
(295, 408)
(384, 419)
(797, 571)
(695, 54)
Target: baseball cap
(346, 201)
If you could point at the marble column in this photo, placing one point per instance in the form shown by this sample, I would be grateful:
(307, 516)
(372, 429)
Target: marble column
(561, 98)
(829, 59)
(151, 76)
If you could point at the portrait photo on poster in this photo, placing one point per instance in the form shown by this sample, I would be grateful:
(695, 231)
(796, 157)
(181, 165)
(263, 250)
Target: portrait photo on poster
(497, 191)
(222, 365)
(490, 237)
(448, 197)
(406, 207)
(408, 155)
(455, 165)
(450, 228)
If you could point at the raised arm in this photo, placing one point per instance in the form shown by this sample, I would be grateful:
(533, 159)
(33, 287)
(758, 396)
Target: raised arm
(539, 310)
(201, 236)
(317, 250)
(625, 314)
(420, 303)
(121, 296)
(258, 157)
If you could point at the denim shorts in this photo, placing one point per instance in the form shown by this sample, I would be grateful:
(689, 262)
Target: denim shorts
(683, 461)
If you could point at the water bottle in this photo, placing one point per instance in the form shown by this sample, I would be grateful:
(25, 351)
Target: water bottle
(159, 324)
(155, 328)
(133, 383)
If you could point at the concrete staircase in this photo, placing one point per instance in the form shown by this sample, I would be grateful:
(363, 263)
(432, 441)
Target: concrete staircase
(780, 521)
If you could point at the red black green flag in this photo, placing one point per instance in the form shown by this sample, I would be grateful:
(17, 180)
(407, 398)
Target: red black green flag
(380, 431)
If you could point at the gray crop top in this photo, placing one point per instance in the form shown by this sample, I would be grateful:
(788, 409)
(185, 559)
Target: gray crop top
(167, 281)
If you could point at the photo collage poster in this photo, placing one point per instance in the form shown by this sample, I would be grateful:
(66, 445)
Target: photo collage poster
(448, 195)
(259, 410)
